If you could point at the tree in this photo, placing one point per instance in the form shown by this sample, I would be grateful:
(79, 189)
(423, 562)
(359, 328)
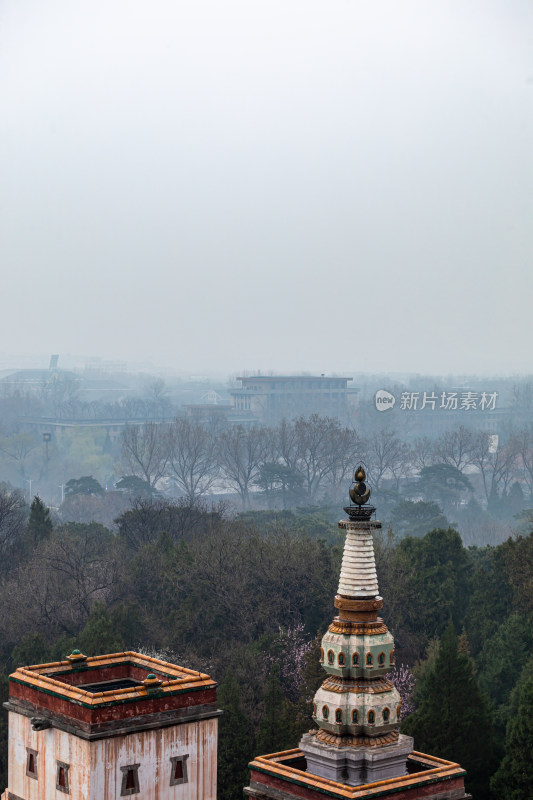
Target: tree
(54, 590)
(100, 634)
(455, 448)
(39, 523)
(18, 448)
(192, 458)
(452, 716)
(524, 449)
(404, 681)
(157, 400)
(145, 449)
(137, 486)
(322, 452)
(275, 729)
(416, 519)
(241, 451)
(13, 512)
(443, 483)
(496, 462)
(148, 518)
(386, 456)
(436, 584)
(84, 485)
(501, 661)
(235, 743)
(514, 778)
(278, 480)
(422, 453)
(312, 676)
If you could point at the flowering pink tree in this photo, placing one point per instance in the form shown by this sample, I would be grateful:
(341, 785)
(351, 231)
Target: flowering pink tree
(290, 648)
(404, 681)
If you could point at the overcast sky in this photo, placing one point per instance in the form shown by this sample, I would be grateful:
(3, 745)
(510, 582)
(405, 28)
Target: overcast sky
(269, 184)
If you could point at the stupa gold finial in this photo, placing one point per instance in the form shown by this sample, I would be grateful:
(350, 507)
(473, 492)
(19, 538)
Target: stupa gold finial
(359, 493)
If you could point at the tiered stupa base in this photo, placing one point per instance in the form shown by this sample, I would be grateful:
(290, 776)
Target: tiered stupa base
(355, 764)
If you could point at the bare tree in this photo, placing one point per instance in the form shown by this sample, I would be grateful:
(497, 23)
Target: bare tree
(320, 449)
(524, 449)
(422, 453)
(13, 512)
(192, 458)
(18, 448)
(241, 451)
(145, 449)
(496, 463)
(157, 399)
(455, 448)
(148, 518)
(54, 590)
(386, 456)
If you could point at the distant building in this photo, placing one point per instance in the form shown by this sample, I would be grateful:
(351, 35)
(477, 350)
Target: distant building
(269, 398)
(109, 727)
(357, 750)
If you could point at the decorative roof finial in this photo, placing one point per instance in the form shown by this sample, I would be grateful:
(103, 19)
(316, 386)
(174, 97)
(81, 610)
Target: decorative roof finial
(359, 495)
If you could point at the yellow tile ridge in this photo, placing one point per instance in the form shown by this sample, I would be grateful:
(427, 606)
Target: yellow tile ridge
(182, 675)
(142, 659)
(416, 753)
(66, 690)
(283, 769)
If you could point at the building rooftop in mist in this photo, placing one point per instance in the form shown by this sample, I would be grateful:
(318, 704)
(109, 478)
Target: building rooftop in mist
(89, 693)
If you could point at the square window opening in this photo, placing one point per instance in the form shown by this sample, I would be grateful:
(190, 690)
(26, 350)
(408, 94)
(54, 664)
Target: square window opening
(31, 763)
(130, 780)
(178, 770)
(62, 777)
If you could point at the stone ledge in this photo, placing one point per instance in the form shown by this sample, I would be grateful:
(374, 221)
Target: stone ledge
(120, 727)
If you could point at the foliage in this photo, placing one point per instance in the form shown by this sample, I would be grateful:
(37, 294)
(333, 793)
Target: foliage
(409, 518)
(452, 715)
(501, 661)
(220, 593)
(439, 579)
(276, 726)
(514, 777)
(137, 486)
(312, 677)
(39, 523)
(404, 681)
(444, 483)
(13, 514)
(235, 742)
(290, 648)
(84, 485)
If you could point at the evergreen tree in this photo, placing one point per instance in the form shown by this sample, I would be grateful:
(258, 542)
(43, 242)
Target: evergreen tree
(100, 634)
(39, 524)
(498, 673)
(276, 727)
(452, 718)
(234, 741)
(514, 778)
(438, 581)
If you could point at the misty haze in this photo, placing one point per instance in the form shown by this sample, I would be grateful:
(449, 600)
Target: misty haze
(248, 248)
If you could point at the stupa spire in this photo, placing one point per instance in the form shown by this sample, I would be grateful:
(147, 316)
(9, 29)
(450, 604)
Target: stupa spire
(357, 707)
(358, 578)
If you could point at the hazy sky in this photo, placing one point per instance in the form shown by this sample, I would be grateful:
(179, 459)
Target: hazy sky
(275, 184)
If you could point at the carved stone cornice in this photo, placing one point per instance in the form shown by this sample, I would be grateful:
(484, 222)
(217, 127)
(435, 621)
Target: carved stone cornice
(349, 627)
(346, 740)
(357, 685)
